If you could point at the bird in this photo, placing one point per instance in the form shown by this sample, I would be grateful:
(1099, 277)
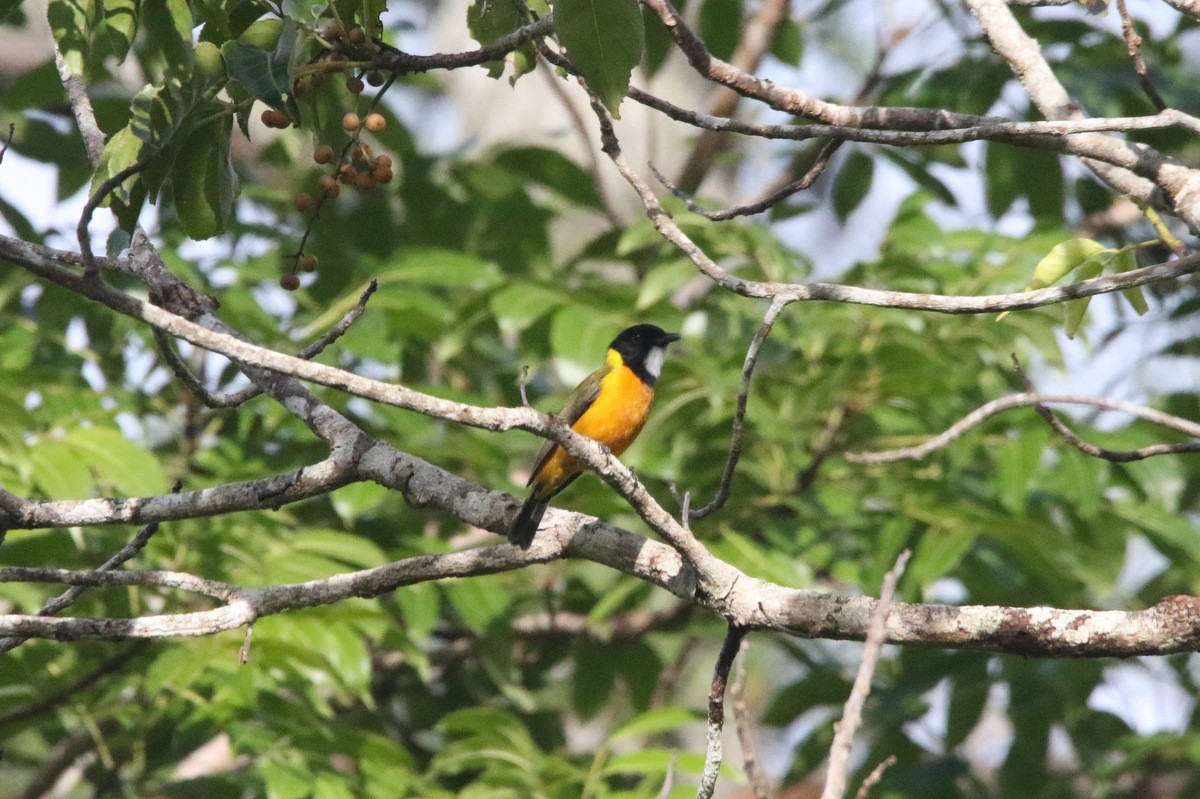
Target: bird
(610, 406)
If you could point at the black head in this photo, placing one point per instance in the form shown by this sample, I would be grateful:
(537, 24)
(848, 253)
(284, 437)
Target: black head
(641, 347)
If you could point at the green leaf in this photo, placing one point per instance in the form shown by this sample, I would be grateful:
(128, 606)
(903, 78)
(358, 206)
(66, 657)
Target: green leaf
(169, 24)
(265, 74)
(720, 24)
(553, 170)
(432, 267)
(653, 722)
(788, 44)
(1062, 258)
(488, 20)
(118, 462)
(853, 183)
(58, 470)
(604, 40)
(203, 180)
(1074, 310)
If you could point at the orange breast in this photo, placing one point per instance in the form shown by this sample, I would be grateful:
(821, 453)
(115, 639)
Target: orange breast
(614, 419)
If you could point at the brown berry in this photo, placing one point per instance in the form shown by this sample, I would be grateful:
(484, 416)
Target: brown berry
(289, 281)
(351, 122)
(279, 119)
(357, 36)
(329, 186)
(354, 84)
(346, 174)
(384, 161)
(307, 263)
(364, 181)
(375, 78)
(333, 30)
(303, 201)
(375, 123)
(323, 154)
(268, 117)
(382, 175)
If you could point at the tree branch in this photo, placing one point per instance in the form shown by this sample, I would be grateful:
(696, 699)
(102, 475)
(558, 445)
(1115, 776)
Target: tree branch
(977, 417)
(716, 711)
(770, 200)
(739, 415)
(1181, 184)
(669, 230)
(845, 730)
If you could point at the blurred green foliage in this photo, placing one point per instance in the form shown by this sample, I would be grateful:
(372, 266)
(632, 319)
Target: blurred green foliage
(431, 692)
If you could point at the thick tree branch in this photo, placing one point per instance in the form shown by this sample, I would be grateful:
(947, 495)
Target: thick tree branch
(1181, 184)
(264, 493)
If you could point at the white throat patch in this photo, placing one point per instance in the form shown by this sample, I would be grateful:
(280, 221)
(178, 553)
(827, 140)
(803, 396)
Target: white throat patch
(654, 362)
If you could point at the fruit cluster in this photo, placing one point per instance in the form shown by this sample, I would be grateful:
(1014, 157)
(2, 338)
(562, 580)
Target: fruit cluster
(355, 166)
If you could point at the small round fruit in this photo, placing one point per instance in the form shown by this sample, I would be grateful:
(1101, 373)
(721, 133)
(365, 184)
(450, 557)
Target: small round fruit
(375, 123)
(323, 154)
(329, 186)
(268, 117)
(375, 77)
(351, 122)
(208, 61)
(354, 84)
(384, 161)
(308, 263)
(333, 30)
(364, 181)
(289, 281)
(382, 176)
(357, 36)
(264, 33)
(303, 201)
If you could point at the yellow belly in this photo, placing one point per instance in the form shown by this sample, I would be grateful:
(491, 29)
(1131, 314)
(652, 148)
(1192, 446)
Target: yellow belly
(615, 419)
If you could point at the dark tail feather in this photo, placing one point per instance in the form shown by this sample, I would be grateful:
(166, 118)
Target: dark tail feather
(527, 522)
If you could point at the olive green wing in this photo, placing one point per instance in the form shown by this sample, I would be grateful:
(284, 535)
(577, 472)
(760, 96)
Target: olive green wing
(580, 400)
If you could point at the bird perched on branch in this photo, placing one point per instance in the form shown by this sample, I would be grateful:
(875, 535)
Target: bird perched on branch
(610, 406)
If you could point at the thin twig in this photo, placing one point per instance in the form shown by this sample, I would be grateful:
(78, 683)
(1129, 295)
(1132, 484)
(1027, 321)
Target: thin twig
(85, 218)
(977, 416)
(847, 728)
(244, 651)
(668, 780)
(716, 711)
(754, 42)
(522, 382)
(81, 107)
(741, 725)
(876, 774)
(1111, 455)
(7, 141)
(739, 416)
(805, 181)
(214, 400)
(581, 129)
(1133, 42)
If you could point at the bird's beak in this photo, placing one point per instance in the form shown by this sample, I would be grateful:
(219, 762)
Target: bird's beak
(669, 338)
